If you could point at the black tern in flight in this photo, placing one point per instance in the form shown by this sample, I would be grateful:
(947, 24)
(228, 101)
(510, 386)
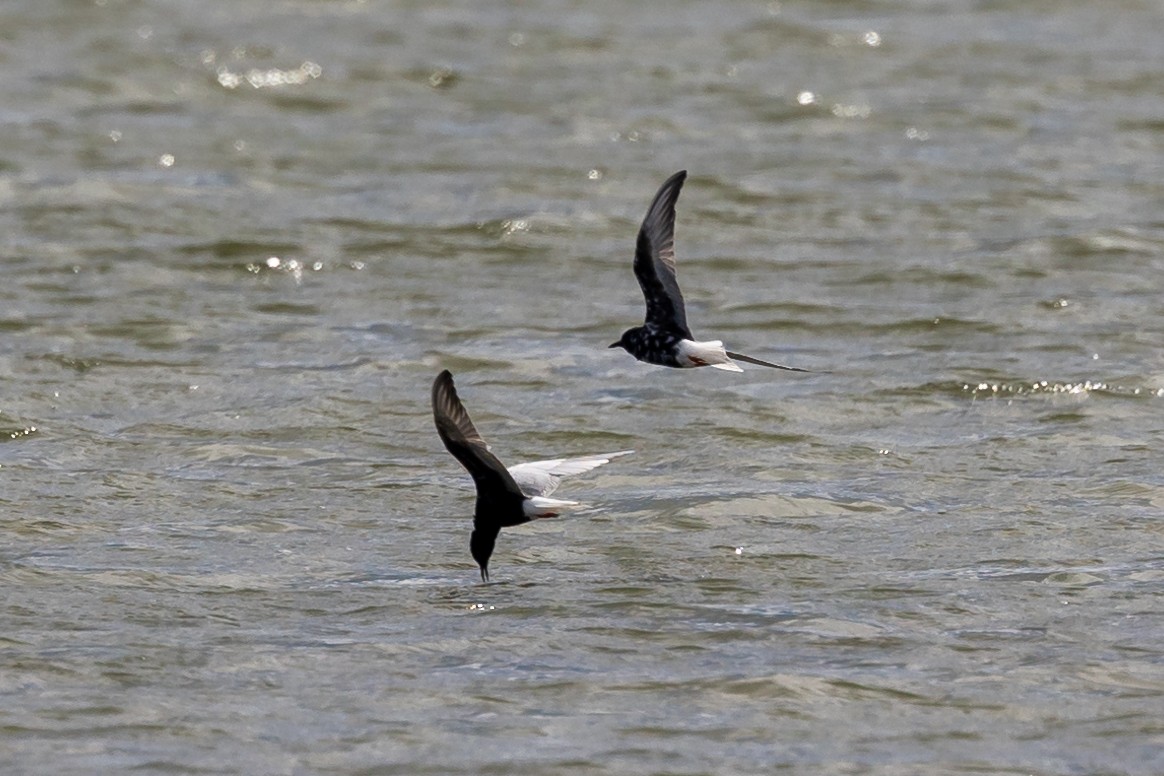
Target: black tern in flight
(664, 338)
(505, 497)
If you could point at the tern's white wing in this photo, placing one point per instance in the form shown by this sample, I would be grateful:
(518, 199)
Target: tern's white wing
(541, 478)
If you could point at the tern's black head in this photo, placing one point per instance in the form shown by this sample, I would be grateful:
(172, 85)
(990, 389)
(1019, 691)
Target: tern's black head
(481, 546)
(624, 340)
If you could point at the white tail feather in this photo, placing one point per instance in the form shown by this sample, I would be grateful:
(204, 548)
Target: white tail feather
(709, 353)
(540, 506)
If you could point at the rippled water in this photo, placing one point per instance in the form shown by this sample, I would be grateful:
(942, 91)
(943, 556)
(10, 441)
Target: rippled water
(240, 239)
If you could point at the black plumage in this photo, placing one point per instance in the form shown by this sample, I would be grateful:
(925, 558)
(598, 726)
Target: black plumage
(506, 496)
(500, 502)
(664, 338)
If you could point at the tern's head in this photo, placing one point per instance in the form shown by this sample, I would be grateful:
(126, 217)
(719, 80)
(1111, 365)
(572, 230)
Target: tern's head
(481, 546)
(624, 340)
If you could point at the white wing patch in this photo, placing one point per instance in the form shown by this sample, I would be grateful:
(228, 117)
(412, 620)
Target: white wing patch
(541, 478)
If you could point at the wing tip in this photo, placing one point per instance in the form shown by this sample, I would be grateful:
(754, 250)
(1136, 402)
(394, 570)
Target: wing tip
(443, 381)
(769, 364)
(675, 181)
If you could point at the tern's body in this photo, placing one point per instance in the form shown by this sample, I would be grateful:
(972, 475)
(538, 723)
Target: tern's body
(505, 497)
(664, 338)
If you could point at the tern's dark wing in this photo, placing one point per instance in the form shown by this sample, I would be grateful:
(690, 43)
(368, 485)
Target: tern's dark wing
(758, 362)
(494, 484)
(655, 259)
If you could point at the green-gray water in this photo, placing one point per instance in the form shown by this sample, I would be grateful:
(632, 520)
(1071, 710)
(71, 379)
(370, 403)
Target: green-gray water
(239, 239)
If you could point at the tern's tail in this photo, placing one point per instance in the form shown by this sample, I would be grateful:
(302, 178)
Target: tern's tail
(708, 353)
(540, 506)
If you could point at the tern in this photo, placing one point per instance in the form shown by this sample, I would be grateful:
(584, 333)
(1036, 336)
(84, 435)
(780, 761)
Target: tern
(664, 337)
(505, 497)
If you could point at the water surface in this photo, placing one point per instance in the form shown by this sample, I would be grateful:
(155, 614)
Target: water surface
(240, 239)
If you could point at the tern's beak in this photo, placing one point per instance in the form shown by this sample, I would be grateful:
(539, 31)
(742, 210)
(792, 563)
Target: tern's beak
(614, 345)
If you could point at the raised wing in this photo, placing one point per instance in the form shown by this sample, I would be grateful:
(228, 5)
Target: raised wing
(541, 478)
(655, 259)
(461, 439)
